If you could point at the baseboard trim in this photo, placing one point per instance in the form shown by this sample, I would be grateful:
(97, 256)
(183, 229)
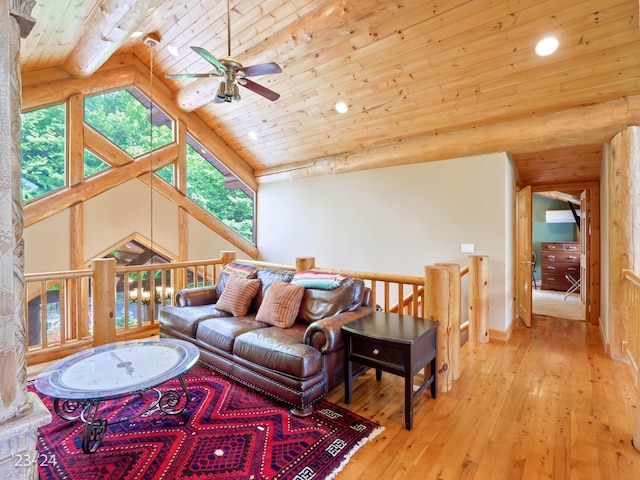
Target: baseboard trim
(502, 335)
(603, 336)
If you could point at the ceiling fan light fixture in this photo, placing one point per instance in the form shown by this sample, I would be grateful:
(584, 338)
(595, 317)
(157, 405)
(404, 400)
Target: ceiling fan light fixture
(221, 89)
(547, 46)
(236, 93)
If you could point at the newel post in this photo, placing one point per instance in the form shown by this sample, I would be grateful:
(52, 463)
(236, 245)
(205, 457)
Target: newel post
(479, 298)
(456, 315)
(305, 263)
(227, 256)
(104, 301)
(437, 307)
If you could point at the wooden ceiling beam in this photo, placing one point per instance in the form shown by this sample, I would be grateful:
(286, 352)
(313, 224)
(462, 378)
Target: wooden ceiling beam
(109, 28)
(586, 125)
(48, 205)
(563, 197)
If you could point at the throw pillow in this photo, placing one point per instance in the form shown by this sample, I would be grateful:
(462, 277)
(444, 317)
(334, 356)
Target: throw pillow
(237, 295)
(321, 280)
(281, 304)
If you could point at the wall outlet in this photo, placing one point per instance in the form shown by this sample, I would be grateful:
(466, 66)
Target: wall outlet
(467, 248)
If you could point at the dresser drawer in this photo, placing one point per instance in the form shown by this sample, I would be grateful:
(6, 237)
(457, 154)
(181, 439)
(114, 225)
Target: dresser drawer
(562, 256)
(377, 352)
(560, 246)
(561, 269)
(555, 282)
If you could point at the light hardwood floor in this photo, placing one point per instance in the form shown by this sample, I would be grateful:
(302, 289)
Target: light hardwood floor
(549, 403)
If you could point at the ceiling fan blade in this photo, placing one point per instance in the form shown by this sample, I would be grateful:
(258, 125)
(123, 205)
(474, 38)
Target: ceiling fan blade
(261, 69)
(259, 89)
(191, 75)
(220, 68)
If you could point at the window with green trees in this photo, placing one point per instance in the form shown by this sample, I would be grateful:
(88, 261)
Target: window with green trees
(43, 151)
(128, 119)
(93, 164)
(216, 189)
(125, 117)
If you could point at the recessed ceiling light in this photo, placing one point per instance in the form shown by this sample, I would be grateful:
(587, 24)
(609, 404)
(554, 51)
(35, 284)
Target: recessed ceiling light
(136, 34)
(253, 135)
(341, 107)
(173, 50)
(547, 46)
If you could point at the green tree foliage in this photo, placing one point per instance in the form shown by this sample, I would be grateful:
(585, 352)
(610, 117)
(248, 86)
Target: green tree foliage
(43, 151)
(121, 118)
(93, 164)
(206, 187)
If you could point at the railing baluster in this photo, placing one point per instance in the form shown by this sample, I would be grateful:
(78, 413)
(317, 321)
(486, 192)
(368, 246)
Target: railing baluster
(43, 314)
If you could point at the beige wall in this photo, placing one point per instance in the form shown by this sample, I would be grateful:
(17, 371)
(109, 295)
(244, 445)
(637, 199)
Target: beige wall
(47, 244)
(111, 218)
(394, 220)
(397, 220)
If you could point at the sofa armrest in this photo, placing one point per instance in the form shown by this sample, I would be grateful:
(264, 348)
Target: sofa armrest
(326, 335)
(190, 297)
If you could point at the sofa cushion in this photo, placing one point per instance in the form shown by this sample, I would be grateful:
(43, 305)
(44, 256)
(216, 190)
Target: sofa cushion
(279, 349)
(238, 295)
(222, 333)
(185, 320)
(318, 304)
(267, 277)
(281, 304)
(321, 280)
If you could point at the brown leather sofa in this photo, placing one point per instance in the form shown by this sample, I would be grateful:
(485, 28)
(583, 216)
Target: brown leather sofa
(296, 365)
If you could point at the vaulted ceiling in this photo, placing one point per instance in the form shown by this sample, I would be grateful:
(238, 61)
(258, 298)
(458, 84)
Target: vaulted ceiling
(423, 80)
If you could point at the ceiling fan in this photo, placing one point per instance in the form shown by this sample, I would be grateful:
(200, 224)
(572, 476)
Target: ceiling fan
(233, 72)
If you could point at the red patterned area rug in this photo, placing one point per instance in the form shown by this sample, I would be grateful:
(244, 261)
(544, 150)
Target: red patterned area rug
(227, 431)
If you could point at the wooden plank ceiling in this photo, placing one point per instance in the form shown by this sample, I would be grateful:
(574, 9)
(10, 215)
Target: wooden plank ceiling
(412, 72)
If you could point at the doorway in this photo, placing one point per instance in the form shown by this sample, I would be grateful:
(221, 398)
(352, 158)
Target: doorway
(556, 252)
(589, 254)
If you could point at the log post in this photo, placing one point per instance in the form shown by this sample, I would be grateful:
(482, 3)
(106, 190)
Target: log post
(456, 315)
(227, 257)
(437, 307)
(21, 412)
(623, 182)
(104, 301)
(305, 263)
(479, 298)
(636, 431)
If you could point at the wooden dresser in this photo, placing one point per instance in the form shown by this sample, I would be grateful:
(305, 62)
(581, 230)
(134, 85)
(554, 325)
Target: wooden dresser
(559, 258)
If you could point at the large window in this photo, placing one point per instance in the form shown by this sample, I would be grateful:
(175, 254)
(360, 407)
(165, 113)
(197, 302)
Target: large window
(124, 117)
(212, 186)
(43, 151)
(129, 120)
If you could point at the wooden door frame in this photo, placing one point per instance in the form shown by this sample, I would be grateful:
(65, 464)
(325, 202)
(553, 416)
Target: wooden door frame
(592, 311)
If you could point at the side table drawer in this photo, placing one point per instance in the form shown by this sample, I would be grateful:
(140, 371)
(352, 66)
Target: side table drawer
(376, 351)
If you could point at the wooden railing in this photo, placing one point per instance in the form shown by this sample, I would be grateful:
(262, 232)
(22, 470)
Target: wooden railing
(632, 302)
(60, 308)
(104, 304)
(632, 296)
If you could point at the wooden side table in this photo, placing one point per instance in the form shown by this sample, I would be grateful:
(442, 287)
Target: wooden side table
(395, 343)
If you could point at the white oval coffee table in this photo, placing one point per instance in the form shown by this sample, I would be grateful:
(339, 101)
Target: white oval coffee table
(80, 382)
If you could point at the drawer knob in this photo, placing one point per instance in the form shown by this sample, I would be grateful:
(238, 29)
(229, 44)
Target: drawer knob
(376, 351)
